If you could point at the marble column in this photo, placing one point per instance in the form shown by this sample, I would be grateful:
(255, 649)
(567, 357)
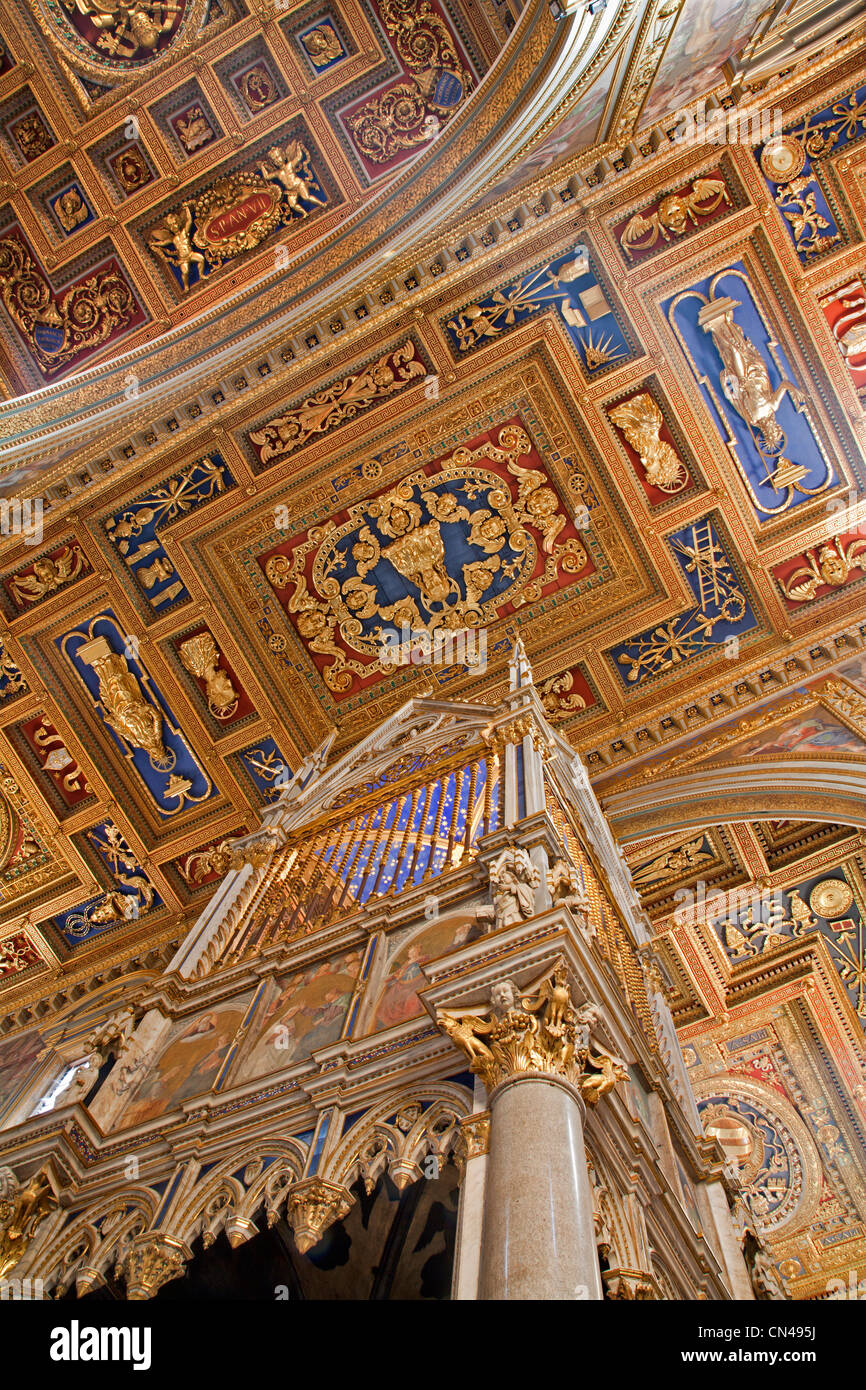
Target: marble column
(471, 1158)
(538, 1238)
(532, 1049)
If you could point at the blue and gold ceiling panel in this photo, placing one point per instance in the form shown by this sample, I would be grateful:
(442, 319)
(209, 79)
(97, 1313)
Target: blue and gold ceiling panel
(266, 768)
(136, 529)
(721, 613)
(798, 169)
(571, 286)
(763, 413)
(142, 726)
(826, 905)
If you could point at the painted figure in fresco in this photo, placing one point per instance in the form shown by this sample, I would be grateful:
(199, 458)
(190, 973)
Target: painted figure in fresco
(399, 998)
(187, 1067)
(809, 735)
(401, 995)
(307, 1013)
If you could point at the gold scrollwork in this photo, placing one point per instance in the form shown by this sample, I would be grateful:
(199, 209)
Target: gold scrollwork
(58, 329)
(335, 605)
(411, 112)
(335, 404)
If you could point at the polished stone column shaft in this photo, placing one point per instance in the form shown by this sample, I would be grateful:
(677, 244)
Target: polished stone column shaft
(538, 1239)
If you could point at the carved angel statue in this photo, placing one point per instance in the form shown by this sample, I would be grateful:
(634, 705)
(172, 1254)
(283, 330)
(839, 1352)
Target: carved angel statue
(257, 848)
(292, 170)
(673, 214)
(85, 1078)
(22, 1209)
(745, 380)
(171, 239)
(829, 564)
(564, 885)
(513, 880)
(48, 575)
(115, 1035)
(641, 421)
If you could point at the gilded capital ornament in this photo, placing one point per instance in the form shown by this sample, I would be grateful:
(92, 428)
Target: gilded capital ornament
(152, 1263)
(473, 1139)
(628, 1285)
(312, 1206)
(536, 1031)
(23, 1208)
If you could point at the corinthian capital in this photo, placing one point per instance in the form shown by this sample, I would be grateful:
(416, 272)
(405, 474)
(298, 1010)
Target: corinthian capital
(312, 1206)
(537, 1030)
(151, 1263)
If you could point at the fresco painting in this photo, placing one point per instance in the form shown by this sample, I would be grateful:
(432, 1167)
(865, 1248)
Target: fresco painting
(303, 1012)
(707, 33)
(812, 733)
(189, 1064)
(17, 1061)
(398, 1000)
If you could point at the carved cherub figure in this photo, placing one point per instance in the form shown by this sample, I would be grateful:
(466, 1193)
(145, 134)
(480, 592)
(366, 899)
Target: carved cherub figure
(291, 165)
(48, 574)
(172, 240)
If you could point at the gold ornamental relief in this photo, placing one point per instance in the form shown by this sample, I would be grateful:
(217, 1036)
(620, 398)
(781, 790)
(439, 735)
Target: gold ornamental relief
(641, 422)
(126, 710)
(113, 39)
(442, 551)
(540, 1030)
(201, 658)
(237, 213)
(413, 111)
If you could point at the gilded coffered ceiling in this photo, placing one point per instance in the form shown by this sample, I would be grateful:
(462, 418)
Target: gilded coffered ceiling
(329, 328)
